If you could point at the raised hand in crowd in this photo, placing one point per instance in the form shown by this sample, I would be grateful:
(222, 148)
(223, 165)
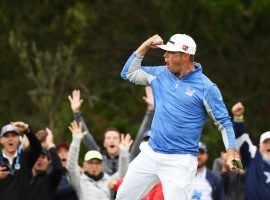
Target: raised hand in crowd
(238, 109)
(20, 126)
(49, 139)
(126, 141)
(149, 99)
(76, 129)
(75, 101)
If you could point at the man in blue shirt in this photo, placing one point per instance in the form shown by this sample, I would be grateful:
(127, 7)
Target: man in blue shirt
(183, 97)
(255, 160)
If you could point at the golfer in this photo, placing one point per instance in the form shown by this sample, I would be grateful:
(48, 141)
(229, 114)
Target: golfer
(183, 97)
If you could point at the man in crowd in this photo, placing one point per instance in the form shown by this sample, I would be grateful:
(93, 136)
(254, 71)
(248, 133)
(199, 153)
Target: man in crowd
(64, 189)
(9, 156)
(112, 135)
(183, 96)
(233, 181)
(206, 185)
(255, 160)
(43, 184)
(15, 184)
(93, 183)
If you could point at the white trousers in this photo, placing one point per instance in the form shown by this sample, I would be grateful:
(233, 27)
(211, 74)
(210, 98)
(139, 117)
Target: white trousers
(175, 171)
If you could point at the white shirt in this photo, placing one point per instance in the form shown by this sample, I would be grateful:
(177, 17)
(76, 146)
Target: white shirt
(10, 159)
(200, 189)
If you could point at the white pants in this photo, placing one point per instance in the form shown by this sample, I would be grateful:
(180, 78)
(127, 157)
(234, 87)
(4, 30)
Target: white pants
(175, 171)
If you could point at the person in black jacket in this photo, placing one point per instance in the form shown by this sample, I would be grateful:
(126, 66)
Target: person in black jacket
(43, 184)
(15, 183)
(206, 185)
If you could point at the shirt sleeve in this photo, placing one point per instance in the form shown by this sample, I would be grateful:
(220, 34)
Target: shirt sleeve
(141, 75)
(217, 110)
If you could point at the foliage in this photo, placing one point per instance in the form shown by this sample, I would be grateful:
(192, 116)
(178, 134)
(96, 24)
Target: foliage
(87, 42)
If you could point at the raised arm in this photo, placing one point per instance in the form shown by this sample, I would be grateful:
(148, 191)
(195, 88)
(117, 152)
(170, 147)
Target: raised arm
(57, 169)
(73, 155)
(146, 123)
(217, 110)
(34, 145)
(133, 71)
(126, 142)
(244, 144)
(75, 104)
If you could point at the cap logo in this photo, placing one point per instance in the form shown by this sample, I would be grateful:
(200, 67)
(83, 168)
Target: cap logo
(185, 47)
(172, 42)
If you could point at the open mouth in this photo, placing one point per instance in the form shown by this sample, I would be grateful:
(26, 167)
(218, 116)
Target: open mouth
(10, 144)
(268, 150)
(63, 159)
(112, 146)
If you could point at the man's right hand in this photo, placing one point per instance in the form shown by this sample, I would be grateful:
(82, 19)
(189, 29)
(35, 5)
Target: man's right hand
(3, 172)
(75, 101)
(150, 43)
(238, 109)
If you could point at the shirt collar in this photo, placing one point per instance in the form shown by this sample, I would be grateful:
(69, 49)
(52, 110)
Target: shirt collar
(10, 159)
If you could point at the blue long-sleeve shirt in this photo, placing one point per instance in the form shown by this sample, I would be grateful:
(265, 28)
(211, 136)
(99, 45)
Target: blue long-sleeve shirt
(181, 107)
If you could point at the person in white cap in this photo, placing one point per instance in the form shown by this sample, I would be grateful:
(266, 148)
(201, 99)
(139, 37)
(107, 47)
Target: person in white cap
(255, 160)
(183, 96)
(93, 183)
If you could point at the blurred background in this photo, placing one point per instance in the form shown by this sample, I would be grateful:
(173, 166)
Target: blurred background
(50, 47)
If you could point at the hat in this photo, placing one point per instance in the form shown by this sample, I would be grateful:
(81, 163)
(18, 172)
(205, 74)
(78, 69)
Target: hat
(264, 136)
(45, 152)
(202, 147)
(92, 155)
(180, 43)
(62, 145)
(9, 128)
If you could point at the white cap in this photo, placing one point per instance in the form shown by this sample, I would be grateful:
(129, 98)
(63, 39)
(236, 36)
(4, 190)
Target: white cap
(180, 43)
(264, 136)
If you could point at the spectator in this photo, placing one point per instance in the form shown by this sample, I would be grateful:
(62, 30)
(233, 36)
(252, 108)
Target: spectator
(43, 184)
(64, 189)
(256, 161)
(233, 181)
(93, 182)
(206, 185)
(13, 186)
(112, 136)
(10, 154)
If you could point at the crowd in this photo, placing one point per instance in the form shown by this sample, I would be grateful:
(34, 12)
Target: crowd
(32, 166)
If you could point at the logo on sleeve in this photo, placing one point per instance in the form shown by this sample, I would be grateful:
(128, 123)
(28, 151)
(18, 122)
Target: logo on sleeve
(267, 174)
(190, 92)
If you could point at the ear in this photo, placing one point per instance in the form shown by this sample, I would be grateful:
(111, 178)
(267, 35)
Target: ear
(186, 56)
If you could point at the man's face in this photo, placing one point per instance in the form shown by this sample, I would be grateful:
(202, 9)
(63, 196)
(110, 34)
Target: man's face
(10, 142)
(93, 167)
(175, 61)
(265, 149)
(41, 163)
(202, 158)
(63, 155)
(112, 142)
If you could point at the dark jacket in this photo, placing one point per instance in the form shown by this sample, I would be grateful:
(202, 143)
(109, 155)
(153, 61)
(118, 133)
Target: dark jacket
(14, 186)
(257, 171)
(64, 190)
(44, 184)
(216, 184)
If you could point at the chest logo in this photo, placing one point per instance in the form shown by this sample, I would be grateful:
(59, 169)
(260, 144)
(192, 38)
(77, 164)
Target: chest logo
(189, 92)
(267, 174)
